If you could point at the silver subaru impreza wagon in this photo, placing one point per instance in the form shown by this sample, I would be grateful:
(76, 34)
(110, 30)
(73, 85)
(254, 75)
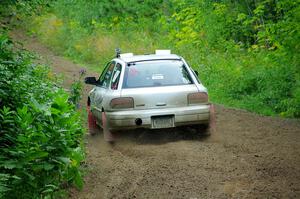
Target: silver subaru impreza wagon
(148, 91)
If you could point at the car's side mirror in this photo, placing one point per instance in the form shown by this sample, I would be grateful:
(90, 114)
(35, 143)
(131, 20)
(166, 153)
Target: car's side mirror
(90, 80)
(196, 72)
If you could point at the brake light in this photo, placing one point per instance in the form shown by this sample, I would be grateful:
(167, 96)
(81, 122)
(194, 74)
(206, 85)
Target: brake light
(197, 98)
(122, 102)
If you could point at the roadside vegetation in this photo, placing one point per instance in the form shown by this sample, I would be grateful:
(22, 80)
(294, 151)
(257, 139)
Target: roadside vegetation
(247, 52)
(41, 134)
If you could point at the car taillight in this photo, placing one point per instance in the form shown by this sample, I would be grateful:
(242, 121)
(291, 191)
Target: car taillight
(122, 102)
(197, 98)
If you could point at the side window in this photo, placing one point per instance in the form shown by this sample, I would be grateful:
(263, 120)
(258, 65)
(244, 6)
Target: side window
(106, 75)
(116, 77)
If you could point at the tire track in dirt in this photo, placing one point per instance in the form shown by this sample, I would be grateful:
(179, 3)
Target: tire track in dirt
(249, 156)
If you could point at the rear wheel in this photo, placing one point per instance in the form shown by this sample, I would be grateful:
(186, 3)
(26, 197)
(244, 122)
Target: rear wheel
(109, 136)
(93, 128)
(209, 127)
(203, 129)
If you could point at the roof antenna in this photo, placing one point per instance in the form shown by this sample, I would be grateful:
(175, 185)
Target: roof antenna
(118, 52)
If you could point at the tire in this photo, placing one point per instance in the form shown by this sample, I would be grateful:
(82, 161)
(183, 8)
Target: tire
(202, 129)
(93, 128)
(109, 136)
(210, 127)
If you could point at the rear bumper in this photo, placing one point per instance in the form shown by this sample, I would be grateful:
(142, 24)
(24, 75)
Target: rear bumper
(120, 120)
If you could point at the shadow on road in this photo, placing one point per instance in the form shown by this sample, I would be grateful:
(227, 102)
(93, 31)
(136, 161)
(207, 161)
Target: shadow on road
(162, 136)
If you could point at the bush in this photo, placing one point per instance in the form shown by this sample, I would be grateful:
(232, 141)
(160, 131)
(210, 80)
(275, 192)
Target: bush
(40, 130)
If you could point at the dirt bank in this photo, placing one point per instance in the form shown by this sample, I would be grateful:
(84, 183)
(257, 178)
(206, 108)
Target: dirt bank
(249, 156)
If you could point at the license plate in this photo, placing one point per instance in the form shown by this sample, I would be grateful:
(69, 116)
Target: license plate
(159, 122)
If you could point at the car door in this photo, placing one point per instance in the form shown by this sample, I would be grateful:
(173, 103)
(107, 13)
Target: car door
(100, 90)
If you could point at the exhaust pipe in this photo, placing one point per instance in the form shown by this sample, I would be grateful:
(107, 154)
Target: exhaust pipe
(138, 121)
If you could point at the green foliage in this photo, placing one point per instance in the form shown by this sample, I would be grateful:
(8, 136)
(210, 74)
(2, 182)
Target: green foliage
(76, 89)
(246, 51)
(40, 131)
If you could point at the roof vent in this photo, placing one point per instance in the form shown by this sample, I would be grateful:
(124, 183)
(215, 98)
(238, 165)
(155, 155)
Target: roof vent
(124, 55)
(162, 52)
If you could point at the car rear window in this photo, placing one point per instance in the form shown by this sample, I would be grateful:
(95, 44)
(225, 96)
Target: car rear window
(156, 73)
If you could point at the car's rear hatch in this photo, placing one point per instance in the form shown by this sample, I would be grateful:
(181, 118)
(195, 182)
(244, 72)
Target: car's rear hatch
(160, 97)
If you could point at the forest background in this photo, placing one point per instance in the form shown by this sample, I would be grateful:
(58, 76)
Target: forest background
(247, 52)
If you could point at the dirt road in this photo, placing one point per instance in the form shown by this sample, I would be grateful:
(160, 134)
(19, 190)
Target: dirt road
(249, 156)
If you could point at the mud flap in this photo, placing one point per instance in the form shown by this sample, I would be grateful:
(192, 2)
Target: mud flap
(212, 119)
(92, 125)
(108, 135)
